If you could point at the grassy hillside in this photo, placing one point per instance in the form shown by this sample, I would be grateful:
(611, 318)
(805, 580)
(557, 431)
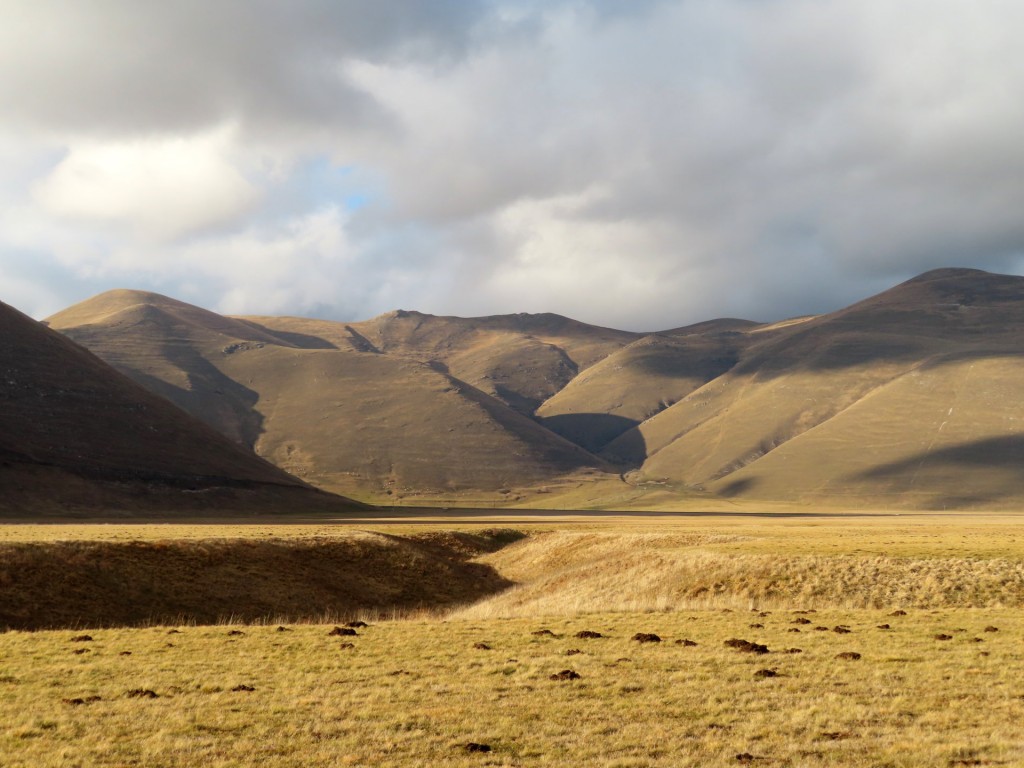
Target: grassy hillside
(330, 410)
(906, 399)
(638, 381)
(77, 437)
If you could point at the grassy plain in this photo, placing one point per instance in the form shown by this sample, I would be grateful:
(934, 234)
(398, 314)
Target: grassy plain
(416, 691)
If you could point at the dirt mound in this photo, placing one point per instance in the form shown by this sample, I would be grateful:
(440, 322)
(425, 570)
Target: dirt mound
(646, 637)
(745, 646)
(565, 674)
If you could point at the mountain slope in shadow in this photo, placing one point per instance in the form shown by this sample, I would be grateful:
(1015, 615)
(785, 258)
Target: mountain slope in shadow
(77, 437)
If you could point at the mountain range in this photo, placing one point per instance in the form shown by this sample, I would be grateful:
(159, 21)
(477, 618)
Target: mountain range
(908, 399)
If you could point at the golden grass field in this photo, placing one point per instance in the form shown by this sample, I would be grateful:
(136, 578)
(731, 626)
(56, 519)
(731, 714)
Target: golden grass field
(415, 691)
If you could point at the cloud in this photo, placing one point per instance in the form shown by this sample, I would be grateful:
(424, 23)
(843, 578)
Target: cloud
(157, 188)
(682, 160)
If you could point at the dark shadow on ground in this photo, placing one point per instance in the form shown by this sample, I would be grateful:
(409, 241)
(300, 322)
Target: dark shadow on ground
(592, 431)
(1005, 454)
(102, 584)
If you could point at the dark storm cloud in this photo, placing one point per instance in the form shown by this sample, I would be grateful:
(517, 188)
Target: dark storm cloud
(120, 67)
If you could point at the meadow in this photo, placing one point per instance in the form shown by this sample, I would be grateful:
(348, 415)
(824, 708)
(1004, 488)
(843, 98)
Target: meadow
(871, 641)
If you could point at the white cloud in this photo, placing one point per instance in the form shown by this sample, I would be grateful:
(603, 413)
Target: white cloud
(156, 188)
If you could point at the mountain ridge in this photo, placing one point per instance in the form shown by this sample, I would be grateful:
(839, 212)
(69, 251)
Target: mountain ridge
(773, 411)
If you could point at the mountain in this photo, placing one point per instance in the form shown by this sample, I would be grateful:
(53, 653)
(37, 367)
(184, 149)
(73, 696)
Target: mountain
(79, 438)
(639, 380)
(910, 398)
(349, 408)
(521, 360)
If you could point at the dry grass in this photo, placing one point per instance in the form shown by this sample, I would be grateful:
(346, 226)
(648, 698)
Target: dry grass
(410, 693)
(414, 692)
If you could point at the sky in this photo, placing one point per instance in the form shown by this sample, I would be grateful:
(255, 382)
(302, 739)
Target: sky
(640, 164)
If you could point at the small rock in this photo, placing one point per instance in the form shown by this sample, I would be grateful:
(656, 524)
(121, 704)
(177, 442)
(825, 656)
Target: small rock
(898, 613)
(342, 632)
(474, 747)
(81, 639)
(357, 624)
(801, 621)
(942, 636)
(481, 646)
(242, 688)
(544, 633)
(884, 626)
(841, 630)
(756, 626)
(990, 628)
(848, 655)
(763, 673)
(686, 643)
(745, 757)
(587, 634)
